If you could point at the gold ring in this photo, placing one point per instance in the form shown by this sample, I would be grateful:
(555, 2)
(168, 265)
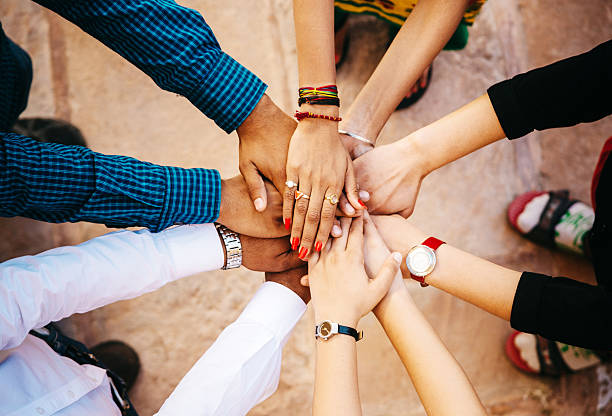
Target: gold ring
(291, 184)
(299, 195)
(333, 199)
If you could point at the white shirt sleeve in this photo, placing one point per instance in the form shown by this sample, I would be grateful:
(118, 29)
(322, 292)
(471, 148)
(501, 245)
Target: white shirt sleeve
(35, 290)
(242, 367)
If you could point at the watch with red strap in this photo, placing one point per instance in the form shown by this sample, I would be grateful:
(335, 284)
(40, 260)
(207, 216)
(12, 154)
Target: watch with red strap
(421, 259)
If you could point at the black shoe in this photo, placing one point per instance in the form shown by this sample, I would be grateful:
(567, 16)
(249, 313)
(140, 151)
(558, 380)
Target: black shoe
(120, 358)
(48, 130)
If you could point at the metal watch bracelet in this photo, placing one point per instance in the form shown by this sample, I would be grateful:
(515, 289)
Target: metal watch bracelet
(233, 247)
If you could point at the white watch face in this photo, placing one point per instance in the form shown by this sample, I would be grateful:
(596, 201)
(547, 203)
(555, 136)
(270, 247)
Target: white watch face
(421, 260)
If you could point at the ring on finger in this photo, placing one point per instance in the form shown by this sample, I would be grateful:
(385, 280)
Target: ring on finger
(291, 184)
(299, 195)
(332, 198)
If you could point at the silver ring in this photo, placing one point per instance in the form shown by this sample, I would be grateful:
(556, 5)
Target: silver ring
(291, 184)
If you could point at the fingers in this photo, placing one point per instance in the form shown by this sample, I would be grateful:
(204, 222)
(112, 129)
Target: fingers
(255, 186)
(304, 281)
(289, 199)
(300, 209)
(328, 216)
(310, 221)
(372, 236)
(380, 285)
(355, 237)
(339, 244)
(345, 206)
(336, 229)
(350, 187)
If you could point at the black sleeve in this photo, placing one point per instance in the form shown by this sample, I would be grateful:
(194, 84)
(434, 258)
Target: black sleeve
(563, 310)
(568, 92)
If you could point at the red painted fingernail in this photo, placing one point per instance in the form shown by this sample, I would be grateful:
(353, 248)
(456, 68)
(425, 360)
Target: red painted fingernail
(287, 223)
(318, 246)
(295, 243)
(303, 253)
(361, 202)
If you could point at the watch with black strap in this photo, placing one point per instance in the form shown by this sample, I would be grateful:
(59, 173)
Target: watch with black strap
(327, 329)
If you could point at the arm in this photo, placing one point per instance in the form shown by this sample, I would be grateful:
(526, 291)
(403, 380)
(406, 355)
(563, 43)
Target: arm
(59, 183)
(557, 308)
(418, 42)
(432, 368)
(317, 160)
(343, 293)
(537, 99)
(242, 367)
(175, 47)
(55, 284)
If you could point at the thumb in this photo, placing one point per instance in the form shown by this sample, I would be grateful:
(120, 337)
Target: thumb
(379, 286)
(255, 186)
(351, 189)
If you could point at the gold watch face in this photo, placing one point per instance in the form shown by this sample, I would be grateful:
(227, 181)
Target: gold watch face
(325, 328)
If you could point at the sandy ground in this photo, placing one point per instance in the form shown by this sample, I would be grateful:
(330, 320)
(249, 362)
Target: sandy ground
(121, 111)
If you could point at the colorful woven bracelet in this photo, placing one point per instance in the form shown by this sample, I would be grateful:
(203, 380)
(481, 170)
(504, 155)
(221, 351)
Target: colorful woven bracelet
(325, 95)
(307, 114)
(319, 101)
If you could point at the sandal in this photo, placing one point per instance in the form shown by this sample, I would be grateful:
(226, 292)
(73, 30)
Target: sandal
(534, 354)
(413, 98)
(552, 219)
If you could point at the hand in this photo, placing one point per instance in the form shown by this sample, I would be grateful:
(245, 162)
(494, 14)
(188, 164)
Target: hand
(341, 290)
(268, 254)
(354, 147)
(392, 174)
(237, 212)
(291, 280)
(264, 142)
(376, 253)
(320, 166)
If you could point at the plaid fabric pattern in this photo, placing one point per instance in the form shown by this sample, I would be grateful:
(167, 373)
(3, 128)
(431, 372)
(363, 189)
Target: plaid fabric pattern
(175, 47)
(57, 183)
(15, 80)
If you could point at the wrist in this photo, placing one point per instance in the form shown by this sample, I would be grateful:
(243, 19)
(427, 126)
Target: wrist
(341, 317)
(411, 149)
(328, 110)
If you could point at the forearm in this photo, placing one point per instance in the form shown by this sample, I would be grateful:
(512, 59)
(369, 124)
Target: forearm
(336, 387)
(66, 280)
(58, 183)
(433, 369)
(455, 135)
(242, 367)
(414, 48)
(175, 47)
(314, 35)
(475, 280)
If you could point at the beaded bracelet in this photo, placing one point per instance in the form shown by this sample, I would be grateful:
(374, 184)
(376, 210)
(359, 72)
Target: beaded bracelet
(307, 114)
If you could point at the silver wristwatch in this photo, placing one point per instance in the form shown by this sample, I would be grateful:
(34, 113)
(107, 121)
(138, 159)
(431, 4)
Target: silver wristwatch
(233, 247)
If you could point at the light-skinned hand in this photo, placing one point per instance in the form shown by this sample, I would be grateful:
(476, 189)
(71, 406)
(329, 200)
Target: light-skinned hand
(320, 166)
(341, 290)
(393, 178)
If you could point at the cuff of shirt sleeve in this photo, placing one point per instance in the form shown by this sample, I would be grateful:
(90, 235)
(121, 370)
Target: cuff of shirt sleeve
(508, 109)
(193, 196)
(193, 248)
(276, 307)
(228, 94)
(527, 300)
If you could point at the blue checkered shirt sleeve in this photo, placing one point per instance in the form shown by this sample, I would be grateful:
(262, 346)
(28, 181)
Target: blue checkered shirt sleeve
(175, 47)
(57, 183)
